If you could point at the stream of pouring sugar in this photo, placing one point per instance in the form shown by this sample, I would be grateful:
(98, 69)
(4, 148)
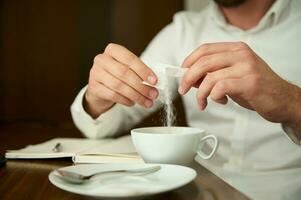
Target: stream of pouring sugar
(169, 110)
(167, 77)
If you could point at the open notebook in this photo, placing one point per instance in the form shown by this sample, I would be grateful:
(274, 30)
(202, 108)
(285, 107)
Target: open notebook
(119, 150)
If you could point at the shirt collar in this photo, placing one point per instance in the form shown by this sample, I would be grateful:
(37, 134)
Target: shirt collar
(272, 17)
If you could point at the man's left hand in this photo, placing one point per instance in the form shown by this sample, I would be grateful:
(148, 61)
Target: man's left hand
(232, 69)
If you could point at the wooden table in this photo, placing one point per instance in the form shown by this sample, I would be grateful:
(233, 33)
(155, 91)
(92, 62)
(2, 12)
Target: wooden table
(28, 179)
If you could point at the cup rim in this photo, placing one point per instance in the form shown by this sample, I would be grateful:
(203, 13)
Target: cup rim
(145, 130)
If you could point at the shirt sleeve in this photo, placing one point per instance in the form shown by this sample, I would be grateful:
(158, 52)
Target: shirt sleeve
(121, 118)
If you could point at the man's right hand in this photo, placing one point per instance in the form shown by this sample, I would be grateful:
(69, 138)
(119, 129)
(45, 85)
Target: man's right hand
(116, 77)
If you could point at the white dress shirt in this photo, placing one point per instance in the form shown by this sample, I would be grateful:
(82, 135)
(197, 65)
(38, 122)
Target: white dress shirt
(254, 155)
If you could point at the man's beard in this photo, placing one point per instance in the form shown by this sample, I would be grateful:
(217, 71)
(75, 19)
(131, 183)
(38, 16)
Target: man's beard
(230, 3)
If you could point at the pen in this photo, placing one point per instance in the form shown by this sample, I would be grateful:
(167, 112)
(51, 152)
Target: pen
(57, 147)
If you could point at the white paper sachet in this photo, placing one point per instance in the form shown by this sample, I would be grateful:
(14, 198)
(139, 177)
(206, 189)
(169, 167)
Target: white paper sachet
(163, 71)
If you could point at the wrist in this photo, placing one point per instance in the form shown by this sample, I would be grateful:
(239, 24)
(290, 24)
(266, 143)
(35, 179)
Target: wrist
(294, 112)
(95, 107)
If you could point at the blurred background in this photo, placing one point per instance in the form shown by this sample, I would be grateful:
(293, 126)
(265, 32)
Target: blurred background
(47, 48)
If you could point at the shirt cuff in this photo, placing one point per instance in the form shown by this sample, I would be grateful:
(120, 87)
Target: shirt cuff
(95, 128)
(291, 135)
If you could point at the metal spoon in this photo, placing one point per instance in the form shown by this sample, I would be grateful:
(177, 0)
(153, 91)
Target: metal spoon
(75, 178)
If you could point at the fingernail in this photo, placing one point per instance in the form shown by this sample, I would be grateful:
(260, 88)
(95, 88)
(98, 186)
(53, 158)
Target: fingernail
(153, 93)
(148, 103)
(201, 106)
(181, 90)
(151, 80)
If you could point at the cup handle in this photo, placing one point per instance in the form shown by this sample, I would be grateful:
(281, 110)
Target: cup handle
(203, 140)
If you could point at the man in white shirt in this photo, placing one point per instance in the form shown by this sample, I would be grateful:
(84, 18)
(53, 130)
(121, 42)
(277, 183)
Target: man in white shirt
(242, 53)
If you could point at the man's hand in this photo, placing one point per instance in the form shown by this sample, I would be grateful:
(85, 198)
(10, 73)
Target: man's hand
(116, 77)
(234, 70)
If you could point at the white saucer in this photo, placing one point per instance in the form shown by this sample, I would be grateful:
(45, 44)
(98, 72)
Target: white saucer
(169, 177)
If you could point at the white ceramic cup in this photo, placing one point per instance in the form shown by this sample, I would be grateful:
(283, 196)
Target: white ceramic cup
(171, 145)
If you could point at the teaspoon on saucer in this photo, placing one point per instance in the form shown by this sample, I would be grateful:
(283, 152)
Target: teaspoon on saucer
(76, 178)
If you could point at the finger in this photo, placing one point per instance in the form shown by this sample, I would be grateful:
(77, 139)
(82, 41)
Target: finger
(126, 57)
(128, 76)
(223, 100)
(212, 48)
(205, 65)
(203, 104)
(102, 92)
(198, 83)
(231, 87)
(211, 79)
(122, 88)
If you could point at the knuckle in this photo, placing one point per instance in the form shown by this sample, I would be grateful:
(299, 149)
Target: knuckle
(246, 54)
(117, 85)
(242, 45)
(124, 71)
(95, 74)
(204, 47)
(205, 61)
(129, 77)
(130, 58)
(127, 72)
(187, 80)
(209, 76)
(92, 73)
(91, 85)
(249, 68)
(98, 58)
(113, 95)
(202, 60)
(110, 47)
(213, 96)
(221, 86)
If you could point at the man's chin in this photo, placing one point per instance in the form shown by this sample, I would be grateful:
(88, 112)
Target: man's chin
(230, 3)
